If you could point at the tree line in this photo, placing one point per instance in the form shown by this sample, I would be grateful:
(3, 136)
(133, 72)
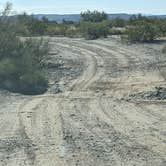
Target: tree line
(95, 24)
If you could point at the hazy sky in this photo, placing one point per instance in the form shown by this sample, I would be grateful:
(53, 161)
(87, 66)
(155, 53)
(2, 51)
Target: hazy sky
(76, 6)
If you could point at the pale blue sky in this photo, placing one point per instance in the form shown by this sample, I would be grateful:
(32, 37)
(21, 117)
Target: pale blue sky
(76, 6)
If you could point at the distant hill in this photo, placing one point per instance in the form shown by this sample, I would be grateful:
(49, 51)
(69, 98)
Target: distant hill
(77, 17)
(59, 18)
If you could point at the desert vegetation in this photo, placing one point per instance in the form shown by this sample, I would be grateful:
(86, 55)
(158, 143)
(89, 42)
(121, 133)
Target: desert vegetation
(93, 31)
(142, 33)
(93, 25)
(164, 49)
(143, 29)
(104, 100)
(21, 61)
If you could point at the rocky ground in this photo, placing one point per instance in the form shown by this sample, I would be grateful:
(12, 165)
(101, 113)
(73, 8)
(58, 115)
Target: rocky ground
(102, 108)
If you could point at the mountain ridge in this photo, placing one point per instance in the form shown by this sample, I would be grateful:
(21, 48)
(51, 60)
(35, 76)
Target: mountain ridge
(77, 17)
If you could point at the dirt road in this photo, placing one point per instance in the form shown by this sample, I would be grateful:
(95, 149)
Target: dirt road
(93, 121)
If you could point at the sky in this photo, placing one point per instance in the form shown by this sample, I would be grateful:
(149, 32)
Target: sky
(76, 6)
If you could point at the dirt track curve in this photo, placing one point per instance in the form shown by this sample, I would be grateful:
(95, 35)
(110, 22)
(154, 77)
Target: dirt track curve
(91, 122)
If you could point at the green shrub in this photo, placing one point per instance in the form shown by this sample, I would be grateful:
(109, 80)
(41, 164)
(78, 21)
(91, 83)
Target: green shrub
(23, 73)
(8, 69)
(72, 31)
(164, 50)
(162, 27)
(53, 30)
(32, 83)
(118, 22)
(142, 33)
(8, 74)
(57, 29)
(35, 26)
(21, 61)
(93, 31)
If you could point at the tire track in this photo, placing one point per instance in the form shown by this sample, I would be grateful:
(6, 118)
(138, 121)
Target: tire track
(110, 135)
(126, 123)
(77, 86)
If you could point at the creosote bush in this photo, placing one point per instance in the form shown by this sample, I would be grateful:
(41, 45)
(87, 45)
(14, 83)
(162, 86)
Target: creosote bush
(164, 50)
(91, 31)
(32, 83)
(21, 67)
(142, 33)
(21, 60)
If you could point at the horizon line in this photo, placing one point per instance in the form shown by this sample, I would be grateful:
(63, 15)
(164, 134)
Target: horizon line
(144, 14)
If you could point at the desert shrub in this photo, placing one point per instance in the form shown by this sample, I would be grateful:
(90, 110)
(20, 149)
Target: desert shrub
(36, 27)
(118, 22)
(93, 31)
(59, 30)
(53, 30)
(72, 31)
(29, 25)
(153, 22)
(32, 83)
(164, 50)
(162, 27)
(21, 71)
(9, 44)
(142, 33)
(136, 19)
(36, 50)
(21, 61)
(8, 69)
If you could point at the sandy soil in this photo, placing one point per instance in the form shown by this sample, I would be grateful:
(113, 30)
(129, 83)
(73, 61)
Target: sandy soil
(91, 122)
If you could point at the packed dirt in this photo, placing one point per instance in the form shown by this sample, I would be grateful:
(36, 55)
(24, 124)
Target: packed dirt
(90, 115)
